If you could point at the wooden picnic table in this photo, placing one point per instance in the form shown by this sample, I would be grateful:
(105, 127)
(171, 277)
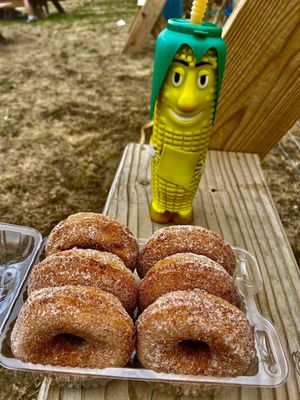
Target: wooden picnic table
(233, 199)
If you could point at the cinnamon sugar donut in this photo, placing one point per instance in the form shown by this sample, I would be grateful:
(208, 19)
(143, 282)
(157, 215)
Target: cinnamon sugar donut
(74, 326)
(94, 231)
(186, 271)
(194, 332)
(87, 268)
(185, 239)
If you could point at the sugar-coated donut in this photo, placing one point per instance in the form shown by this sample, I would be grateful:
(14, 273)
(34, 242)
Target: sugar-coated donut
(185, 239)
(94, 231)
(194, 332)
(86, 267)
(187, 271)
(74, 326)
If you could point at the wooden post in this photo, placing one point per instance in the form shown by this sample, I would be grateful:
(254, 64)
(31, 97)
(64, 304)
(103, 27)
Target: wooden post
(144, 23)
(260, 96)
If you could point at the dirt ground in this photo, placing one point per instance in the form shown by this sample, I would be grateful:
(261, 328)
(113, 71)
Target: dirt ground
(70, 102)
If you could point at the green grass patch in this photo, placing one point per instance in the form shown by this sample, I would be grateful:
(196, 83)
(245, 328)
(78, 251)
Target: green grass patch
(64, 55)
(98, 12)
(6, 85)
(93, 13)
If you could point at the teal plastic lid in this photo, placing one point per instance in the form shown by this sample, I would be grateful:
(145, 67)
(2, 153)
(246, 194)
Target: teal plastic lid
(185, 26)
(200, 38)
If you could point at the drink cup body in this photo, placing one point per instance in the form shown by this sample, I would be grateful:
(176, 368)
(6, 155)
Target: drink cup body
(188, 68)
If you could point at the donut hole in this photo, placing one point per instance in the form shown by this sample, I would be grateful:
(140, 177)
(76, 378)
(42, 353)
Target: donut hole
(71, 339)
(194, 347)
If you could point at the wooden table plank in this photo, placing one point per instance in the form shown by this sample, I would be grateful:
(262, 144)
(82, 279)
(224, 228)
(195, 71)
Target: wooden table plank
(234, 200)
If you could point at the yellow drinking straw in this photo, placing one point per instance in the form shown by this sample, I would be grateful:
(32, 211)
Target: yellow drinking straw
(198, 10)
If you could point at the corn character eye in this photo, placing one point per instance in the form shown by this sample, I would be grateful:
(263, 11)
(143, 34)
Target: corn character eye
(203, 81)
(177, 79)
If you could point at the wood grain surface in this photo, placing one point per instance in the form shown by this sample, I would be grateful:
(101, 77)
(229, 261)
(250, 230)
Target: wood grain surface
(143, 24)
(260, 96)
(233, 200)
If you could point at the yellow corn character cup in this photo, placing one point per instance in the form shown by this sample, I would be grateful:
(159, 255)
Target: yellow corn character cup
(183, 116)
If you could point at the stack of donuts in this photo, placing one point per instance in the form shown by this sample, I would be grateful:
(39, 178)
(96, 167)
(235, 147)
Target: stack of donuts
(191, 321)
(83, 298)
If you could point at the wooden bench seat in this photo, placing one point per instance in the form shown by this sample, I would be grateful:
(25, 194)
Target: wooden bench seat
(11, 3)
(233, 199)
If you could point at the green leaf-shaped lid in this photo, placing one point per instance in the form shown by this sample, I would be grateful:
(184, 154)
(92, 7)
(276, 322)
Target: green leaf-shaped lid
(200, 38)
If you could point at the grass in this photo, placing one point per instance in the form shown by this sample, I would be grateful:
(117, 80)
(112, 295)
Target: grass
(92, 12)
(95, 13)
(6, 85)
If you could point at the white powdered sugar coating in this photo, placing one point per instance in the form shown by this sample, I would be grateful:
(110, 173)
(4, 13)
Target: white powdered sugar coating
(88, 268)
(185, 239)
(94, 231)
(88, 255)
(187, 271)
(73, 326)
(168, 326)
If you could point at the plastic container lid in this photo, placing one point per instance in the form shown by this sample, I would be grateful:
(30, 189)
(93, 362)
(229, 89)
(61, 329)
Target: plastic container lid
(19, 247)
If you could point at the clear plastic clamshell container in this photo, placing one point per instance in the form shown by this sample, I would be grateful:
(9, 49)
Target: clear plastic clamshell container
(20, 248)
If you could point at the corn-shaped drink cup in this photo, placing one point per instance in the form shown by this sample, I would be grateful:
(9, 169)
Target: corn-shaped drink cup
(188, 68)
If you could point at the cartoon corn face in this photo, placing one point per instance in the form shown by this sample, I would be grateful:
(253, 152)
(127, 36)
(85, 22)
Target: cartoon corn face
(184, 103)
